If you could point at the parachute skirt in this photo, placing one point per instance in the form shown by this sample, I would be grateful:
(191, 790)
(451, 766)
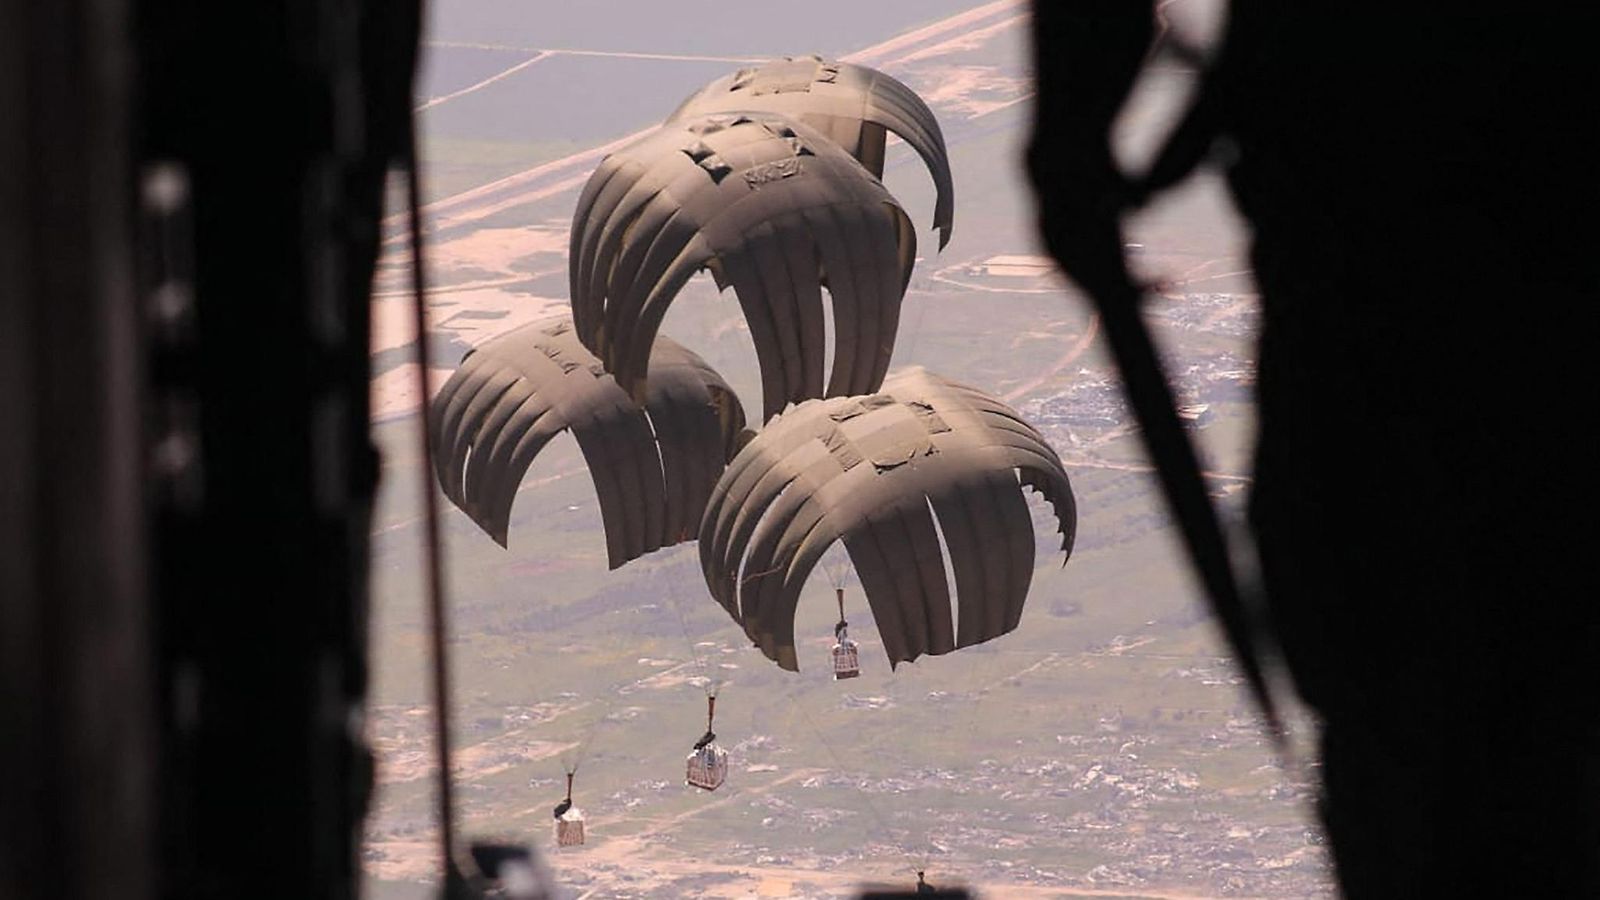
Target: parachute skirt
(875, 471)
(774, 210)
(855, 106)
(653, 465)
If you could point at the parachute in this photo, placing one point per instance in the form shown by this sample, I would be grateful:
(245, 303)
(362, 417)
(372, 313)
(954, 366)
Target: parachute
(853, 105)
(770, 207)
(653, 466)
(767, 178)
(874, 471)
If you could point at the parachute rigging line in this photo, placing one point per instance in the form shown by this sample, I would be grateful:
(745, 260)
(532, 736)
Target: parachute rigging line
(837, 565)
(839, 766)
(572, 759)
(985, 671)
(433, 560)
(710, 684)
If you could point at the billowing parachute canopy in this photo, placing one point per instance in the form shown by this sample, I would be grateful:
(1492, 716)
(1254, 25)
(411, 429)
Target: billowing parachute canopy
(874, 471)
(653, 467)
(772, 208)
(854, 105)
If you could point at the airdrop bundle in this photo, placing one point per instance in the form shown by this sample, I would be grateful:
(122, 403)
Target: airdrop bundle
(769, 179)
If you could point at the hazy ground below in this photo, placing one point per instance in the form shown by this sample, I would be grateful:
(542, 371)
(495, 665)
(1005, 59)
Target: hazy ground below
(1105, 748)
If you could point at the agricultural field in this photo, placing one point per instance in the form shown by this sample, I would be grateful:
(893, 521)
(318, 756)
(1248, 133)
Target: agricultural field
(1105, 748)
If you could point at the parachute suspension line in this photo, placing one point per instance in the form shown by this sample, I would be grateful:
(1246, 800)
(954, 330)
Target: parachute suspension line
(576, 757)
(708, 683)
(712, 687)
(838, 567)
(916, 335)
(920, 835)
(432, 555)
(990, 670)
(839, 766)
(845, 656)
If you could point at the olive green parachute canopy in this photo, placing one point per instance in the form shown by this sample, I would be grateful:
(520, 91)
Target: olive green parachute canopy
(874, 471)
(771, 208)
(854, 105)
(653, 467)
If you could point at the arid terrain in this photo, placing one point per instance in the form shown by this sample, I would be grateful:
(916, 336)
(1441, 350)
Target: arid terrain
(1104, 749)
